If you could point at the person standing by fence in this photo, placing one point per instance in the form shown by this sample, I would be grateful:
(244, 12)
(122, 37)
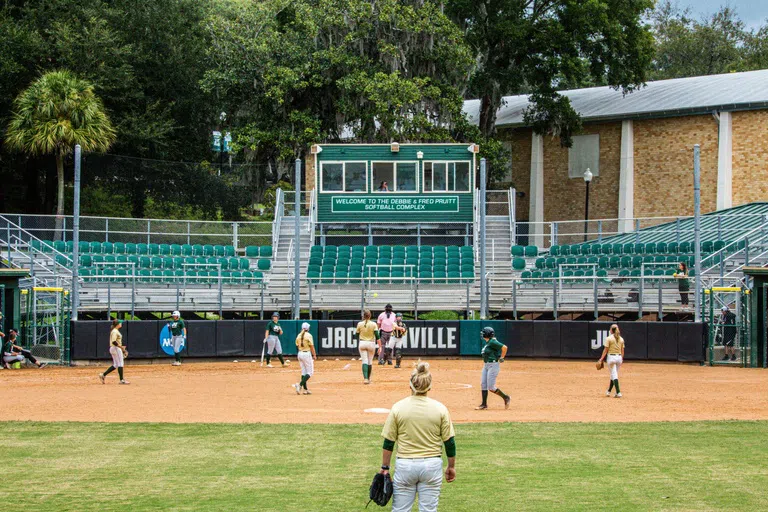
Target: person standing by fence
(613, 354)
(386, 324)
(117, 351)
(683, 285)
(727, 323)
(420, 426)
(178, 336)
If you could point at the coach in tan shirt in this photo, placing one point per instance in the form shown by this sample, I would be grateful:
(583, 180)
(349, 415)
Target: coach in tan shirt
(420, 426)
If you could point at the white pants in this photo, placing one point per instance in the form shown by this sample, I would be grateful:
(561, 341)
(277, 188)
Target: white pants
(395, 343)
(367, 349)
(10, 359)
(412, 476)
(177, 342)
(117, 356)
(306, 362)
(273, 342)
(614, 362)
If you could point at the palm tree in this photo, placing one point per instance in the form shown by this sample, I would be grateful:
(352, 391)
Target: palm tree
(51, 116)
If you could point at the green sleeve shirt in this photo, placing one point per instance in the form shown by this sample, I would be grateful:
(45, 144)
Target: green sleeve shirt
(274, 329)
(492, 351)
(177, 327)
(8, 346)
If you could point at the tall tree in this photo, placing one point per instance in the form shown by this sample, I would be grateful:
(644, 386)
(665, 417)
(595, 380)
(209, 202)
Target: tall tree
(300, 71)
(56, 112)
(686, 46)
(536, 46)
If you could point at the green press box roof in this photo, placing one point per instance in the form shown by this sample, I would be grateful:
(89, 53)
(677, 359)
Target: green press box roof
(435, 182)
(726, 225)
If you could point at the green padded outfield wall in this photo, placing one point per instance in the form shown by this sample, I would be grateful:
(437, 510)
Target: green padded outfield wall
(450, 202)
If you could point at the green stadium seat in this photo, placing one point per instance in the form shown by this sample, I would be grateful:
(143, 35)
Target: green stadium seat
(130, 248)
(628, 249)
(635, 272)
(602, 273)
(156, 262)
(229, 251)
(604, 262)
(578, 273)
(617, 249)
(576, 249)
(95, 247)
(197, 250)
(624, 272)
(707, 246)
(659, 272)
(638, 248)
(637, 261)
(265, 251)
(531, 251)
(187, 250)
(606, 249)
(660, 259)
(264, 264)
(154, 249)
(541, 263)
(649, 259)
(106, 247)
(439, 277)
(168, 263)
(571, 260)
(68, 246)
(661, 248)
(526, 274)
(684, 248)
(554, 250)
(245, 264)
(168, 274)
(581, 260)
(175, 250)
(208, 250)
(86, 260)
(518, 251)
(536, 274)
(650, 248)
(110, 258)
(252, 251)
(313, 275)
(672, 248)
(142, 249)
(163, 249)
(614, 262)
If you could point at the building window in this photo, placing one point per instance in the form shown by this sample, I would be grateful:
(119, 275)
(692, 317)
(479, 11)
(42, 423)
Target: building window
(583, 155)
(397, 176)
(447, 177)
(343, 177)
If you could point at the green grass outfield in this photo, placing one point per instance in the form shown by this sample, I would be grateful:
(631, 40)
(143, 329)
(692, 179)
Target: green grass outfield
(513, 466)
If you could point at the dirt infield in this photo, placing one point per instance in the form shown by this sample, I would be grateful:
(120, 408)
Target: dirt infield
(244, 392)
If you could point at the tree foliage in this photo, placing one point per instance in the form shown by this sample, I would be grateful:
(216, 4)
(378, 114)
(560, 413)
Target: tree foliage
(538, 47)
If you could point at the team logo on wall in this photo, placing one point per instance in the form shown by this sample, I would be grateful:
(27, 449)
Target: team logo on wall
(420, 339)
(166, 344)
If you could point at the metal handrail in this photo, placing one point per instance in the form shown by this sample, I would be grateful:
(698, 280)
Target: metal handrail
(511, 206)
(45, 255)
(278, 217)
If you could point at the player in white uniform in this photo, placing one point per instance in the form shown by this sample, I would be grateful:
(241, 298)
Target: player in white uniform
(117, 351)
(306, 356)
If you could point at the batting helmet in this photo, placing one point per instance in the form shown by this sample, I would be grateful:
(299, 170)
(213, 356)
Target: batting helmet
(487, 332)
(275, 314)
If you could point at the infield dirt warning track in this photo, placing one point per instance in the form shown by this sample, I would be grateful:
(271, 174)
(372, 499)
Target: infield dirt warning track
(560, 391)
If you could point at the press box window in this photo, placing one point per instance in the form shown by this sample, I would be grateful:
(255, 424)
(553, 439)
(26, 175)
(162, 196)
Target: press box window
(584, 154)
(399, 176)
(343, 177)
(447, 177)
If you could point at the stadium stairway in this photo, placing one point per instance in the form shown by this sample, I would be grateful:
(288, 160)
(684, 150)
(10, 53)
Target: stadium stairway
(278, 290)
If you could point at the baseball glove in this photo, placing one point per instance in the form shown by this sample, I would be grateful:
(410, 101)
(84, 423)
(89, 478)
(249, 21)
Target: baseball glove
(381, 490)
(600, 365)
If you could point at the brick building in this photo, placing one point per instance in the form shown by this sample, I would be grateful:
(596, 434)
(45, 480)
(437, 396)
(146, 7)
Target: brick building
(639, 149)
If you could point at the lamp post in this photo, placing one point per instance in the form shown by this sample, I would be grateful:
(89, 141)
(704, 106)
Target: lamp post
(587, 180)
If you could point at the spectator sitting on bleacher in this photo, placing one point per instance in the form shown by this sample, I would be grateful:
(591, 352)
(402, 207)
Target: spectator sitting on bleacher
(13, 353)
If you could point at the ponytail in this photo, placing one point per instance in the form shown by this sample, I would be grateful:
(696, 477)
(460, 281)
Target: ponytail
(303, 332)
(616, 333)
(115, 323)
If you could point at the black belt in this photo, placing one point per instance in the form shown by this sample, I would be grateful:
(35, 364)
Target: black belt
(494, 361)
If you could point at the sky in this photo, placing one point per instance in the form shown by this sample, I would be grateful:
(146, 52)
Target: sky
(752, 12)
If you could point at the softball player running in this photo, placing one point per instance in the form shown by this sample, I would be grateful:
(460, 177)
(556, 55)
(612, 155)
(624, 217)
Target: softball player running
(178, 336)
(272, 339)
(385, 322)
(398, 339)
(367, 334)
(493, 354)
(117, 351)
(614, 351)
(306, 346)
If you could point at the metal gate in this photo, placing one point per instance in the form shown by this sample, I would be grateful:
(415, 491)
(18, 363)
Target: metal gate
(727, 310)
(45, 324)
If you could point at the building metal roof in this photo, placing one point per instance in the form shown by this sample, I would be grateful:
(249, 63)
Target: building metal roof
(663, 98)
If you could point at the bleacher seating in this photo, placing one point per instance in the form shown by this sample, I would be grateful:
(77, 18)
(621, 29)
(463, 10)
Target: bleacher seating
(156, 263)
(612, 259)
(396, 264)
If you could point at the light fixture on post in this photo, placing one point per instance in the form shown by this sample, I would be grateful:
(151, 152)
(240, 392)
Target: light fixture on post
(419, 155)
(587, 180)
(394, 147)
